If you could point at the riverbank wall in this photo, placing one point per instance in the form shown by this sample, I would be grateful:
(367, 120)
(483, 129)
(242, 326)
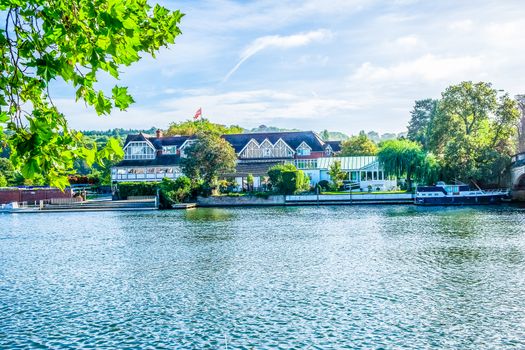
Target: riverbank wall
(281, 200)
(240, 201)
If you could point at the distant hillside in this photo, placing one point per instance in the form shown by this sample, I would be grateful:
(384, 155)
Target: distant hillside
(376, 137)
(119, 132)
(101, 135)
(264, 128)
(333, 135)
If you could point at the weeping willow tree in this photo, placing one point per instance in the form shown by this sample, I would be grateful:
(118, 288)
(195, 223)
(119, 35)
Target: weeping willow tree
(406, 159)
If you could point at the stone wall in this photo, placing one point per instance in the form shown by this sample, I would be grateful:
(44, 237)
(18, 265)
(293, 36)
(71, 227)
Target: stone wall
(239, 201)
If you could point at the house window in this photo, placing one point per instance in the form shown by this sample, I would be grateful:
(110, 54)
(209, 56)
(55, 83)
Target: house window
(306, 164)
(267, 152)
(139, 150)
(169, 149)
(303, 149)
(303, 152)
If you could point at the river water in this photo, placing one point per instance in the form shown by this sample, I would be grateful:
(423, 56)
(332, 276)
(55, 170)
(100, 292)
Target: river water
(298, 277)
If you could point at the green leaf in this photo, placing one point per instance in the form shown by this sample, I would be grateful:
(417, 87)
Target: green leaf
(115, 147)
(121, 97)
(30, 168)
(4, 118)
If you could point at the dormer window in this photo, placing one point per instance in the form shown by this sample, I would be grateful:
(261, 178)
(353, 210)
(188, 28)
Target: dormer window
(304, 149)
(169, 149)
(328, 151)
(139, 150)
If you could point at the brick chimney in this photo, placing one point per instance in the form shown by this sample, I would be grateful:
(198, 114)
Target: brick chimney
(159, 133)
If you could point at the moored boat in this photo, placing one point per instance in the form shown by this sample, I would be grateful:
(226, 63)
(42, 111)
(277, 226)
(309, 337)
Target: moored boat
(460, 194)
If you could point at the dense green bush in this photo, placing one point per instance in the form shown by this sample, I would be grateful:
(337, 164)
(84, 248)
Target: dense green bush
(263, 195)
(286, 179)
(170, 191)
(227, 186)
(324, 185)
(174, 191)
(127, 189)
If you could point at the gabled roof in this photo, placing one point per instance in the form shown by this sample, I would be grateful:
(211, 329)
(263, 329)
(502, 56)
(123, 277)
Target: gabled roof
(238, 141)
(336, 145)
(168, 141)
(292, 138)
(140, 137)
(304, 145)
(158, 142)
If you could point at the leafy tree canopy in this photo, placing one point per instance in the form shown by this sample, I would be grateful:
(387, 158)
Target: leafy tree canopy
(192, 127)
(359, 145)
(73, 41)
(473, 132)
(420, 119)
(209, 156)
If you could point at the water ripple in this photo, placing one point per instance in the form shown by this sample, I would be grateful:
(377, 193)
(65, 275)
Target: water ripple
(328, 277)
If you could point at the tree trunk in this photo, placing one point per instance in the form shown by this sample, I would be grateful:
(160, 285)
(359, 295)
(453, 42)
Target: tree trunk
(521, 128)
(521, 132)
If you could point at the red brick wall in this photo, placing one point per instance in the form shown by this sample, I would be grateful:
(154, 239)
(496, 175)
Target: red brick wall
(31, 195)
(313, 155)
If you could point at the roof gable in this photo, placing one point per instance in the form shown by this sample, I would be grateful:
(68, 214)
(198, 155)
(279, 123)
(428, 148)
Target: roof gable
(304, 145)
(158, 142)
(293, 139)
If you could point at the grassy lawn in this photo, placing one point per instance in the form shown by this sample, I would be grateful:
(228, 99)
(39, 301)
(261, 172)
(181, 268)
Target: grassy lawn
(360, 193)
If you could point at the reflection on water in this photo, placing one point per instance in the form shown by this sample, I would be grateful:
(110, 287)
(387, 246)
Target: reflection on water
(320, 277)
(209, 214)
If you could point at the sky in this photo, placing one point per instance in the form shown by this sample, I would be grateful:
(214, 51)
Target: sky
(341, 65)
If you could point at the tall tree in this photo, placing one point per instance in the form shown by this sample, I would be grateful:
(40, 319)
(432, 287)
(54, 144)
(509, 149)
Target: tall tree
(337, 174)
(420, 120)
(208, 157)
(359, 145)
(473, 130)
(73, 41)
(520, 99)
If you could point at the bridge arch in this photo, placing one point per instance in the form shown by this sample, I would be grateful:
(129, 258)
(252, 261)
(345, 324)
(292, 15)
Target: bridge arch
(519, 184)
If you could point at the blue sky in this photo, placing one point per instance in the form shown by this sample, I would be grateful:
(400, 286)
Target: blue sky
(341, 65)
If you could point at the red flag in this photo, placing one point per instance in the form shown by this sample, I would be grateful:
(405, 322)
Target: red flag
(198, 114)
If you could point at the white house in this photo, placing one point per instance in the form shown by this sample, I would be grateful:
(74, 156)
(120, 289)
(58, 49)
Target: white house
(363, 171)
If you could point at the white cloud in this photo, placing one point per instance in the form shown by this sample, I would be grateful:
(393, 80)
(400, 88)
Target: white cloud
(427, 67)
(461, 25)
(248, 108)
(394, 52)
(408, 42)
(281, 42)
(507, 35)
